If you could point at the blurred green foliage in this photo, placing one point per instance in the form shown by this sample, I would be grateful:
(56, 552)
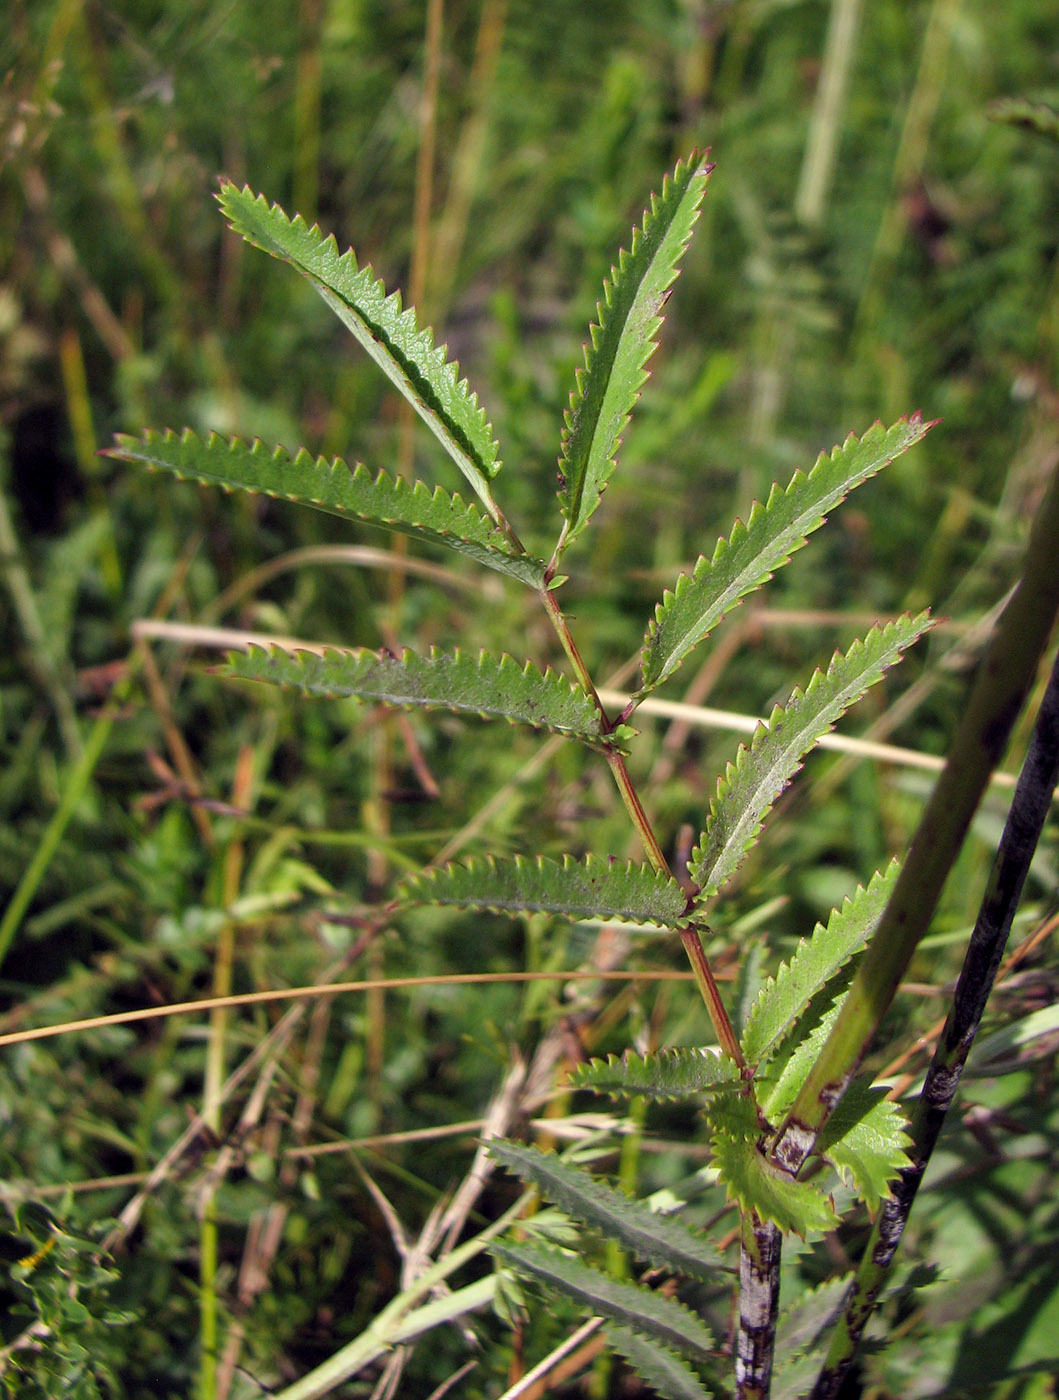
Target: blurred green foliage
(920, 274)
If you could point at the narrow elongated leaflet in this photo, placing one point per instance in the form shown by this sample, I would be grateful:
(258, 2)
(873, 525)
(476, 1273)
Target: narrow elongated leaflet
(679, 1072)
(663, 1370)
(784, 997)
(753, 782)
(773, 532)
(405, 353)
(436, 517)
(646, 1234)
(621, 343)
(653, 1314)
(493, 687)
(592, 888)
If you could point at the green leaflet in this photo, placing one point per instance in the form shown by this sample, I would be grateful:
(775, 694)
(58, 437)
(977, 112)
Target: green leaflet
(407, 355)
(357, 494)
(753, 1182)
(665, 1372)
(482, 685)
(657, 1239)
(751, 784)
(785, 996)
(653, 1314)
(778, 1096)
(771, 535)
(594, 887)
(621, 343)
(668, 1074)
(865, 1141)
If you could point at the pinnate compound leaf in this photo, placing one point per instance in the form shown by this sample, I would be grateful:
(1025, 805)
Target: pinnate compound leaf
(483, 685)
(751, 784)
(667, 1374)
(406, 353)
(676, 1073)
(594, 887)
(773, 532)
(640, 1309)
(784, 997)
(865, 1141)
(656, 1239)
(622, 341)
(354, 494)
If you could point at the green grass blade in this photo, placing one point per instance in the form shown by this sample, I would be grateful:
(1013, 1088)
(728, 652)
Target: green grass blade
(493, 687)
(406, 353)
(353, 494)
(651, 1314)
(771, 535)
(646, 1234)
(584, 889)
(784, 997)
(622, 341)
(759, 774)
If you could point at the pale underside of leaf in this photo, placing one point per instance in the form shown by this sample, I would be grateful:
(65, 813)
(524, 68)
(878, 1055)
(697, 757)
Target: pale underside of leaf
(407, 354)
(755, 550)
(646, 1234)
(751, 784)
(667, 1374)
(594, 887)
(675, 1073)
(436, 517)
(647, 1312)
(622, 341)
(484, 685)
(784, 997)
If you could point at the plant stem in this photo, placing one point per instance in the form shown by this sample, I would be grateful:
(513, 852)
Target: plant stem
(999, 692)
(711, 995)
(689, 936)
(759, 1293)
(1022, 832)
(562, 629)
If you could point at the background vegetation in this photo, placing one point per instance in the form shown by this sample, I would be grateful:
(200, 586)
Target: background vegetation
(891, 249)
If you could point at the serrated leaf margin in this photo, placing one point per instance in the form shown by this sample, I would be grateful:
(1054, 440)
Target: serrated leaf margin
(629, 1304)
(352, 493)
(648, 1235)
(751, 784)
(589, 887)
(622, 340)
(752, 552)
(672, 1074)
(389, 333)
(491, 686)
(814, 962)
